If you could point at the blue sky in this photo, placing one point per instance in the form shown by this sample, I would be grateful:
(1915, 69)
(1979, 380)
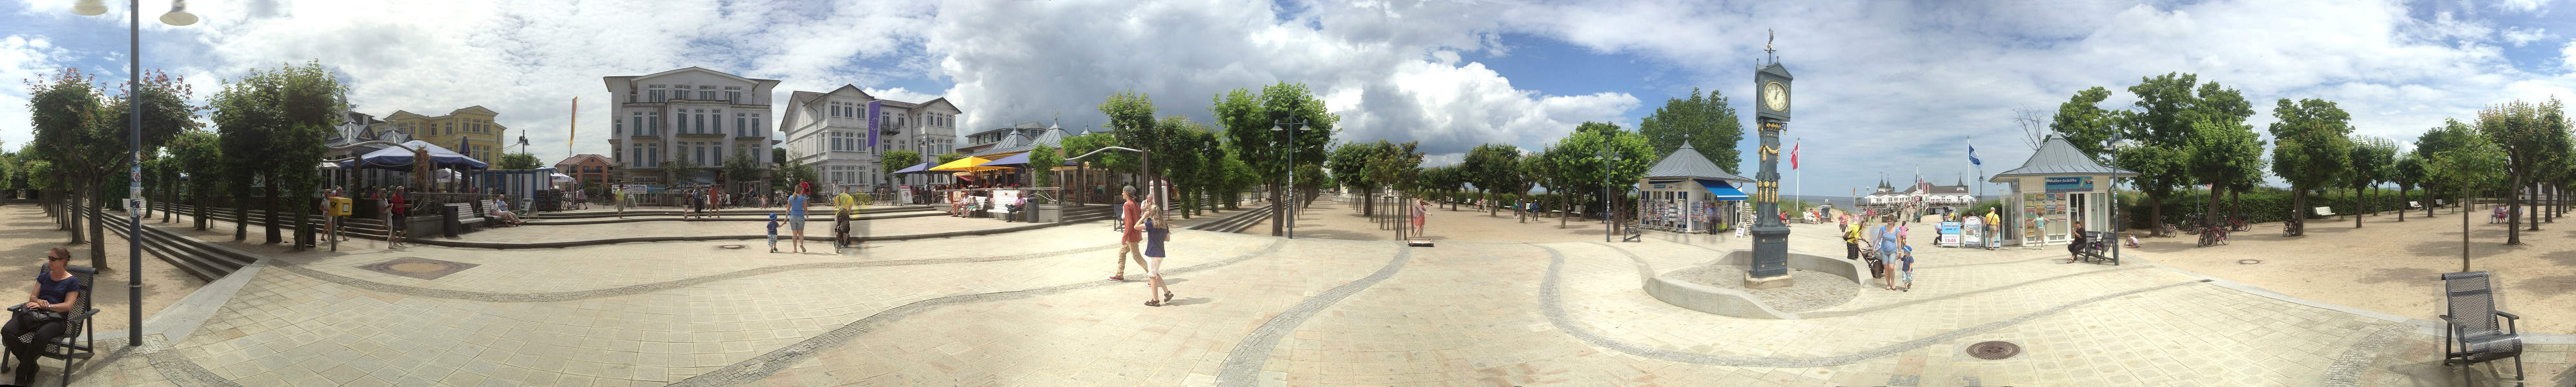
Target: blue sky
(1885, 87)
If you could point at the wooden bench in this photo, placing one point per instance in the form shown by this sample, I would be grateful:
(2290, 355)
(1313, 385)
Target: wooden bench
(466, 214)
(2325, 211)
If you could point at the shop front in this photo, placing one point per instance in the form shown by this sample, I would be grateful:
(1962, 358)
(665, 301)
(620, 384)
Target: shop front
(2057, 189)
(1686, 193)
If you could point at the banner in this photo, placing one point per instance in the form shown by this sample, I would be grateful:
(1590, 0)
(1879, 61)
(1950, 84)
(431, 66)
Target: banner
(872, 123)
(2070, 184)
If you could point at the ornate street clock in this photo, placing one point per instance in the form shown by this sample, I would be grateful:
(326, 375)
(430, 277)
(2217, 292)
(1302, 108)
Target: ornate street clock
(1770, 267)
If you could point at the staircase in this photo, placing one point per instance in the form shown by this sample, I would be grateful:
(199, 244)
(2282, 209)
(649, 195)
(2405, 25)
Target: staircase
(1090, 213)
(195, 257)
(1236, 222)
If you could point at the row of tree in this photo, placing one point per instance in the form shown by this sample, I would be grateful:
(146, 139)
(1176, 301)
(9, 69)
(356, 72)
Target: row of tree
(2184, 133)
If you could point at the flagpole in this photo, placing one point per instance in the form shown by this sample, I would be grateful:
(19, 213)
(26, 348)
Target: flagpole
(1798, 186)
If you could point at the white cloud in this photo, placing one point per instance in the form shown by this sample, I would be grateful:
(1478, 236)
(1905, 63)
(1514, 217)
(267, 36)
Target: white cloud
(2521, 5)
(1388, 70)
(2567, 55)
(24, 59)
(2519, 36)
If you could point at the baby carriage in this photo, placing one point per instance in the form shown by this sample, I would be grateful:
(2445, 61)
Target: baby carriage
(1869, 255)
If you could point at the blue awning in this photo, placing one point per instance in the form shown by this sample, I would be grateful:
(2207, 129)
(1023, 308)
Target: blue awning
(1018, 159)
(915, 168)
(1722, 190)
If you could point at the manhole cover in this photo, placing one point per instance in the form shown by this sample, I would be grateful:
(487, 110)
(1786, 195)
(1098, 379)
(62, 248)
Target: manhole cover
(730, 247)
(2248, 261)
(1993, 350)
(417, 267)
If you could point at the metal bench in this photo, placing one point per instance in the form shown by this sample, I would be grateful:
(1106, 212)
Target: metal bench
(466, 214)
(2469, 334)
(2097, 247)
(2325, 211)
(73, 344)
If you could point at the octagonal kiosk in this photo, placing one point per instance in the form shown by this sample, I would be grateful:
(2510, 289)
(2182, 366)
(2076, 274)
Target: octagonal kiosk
(2057, 187)
(1686, 193)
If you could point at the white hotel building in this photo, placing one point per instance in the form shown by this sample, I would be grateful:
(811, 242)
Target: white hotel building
(832, 131)
(694, 114)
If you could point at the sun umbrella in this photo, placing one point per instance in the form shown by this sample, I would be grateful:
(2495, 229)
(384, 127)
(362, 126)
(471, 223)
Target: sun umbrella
(969, 164)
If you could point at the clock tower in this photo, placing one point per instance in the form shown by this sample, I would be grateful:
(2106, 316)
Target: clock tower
(1771, 86)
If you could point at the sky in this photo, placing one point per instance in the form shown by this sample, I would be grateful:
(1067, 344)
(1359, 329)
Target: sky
(1884, 87)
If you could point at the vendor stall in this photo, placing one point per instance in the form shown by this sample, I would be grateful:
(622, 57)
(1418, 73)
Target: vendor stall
(2053, 190)
(1686, 193)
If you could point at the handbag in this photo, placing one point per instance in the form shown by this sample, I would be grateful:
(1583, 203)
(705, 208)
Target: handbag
(35, 317)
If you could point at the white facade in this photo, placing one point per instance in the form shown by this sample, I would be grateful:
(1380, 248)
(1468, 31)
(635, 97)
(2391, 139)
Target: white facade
(694, 114)
(830, 131)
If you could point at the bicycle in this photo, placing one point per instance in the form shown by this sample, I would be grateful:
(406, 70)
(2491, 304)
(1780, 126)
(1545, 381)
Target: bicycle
(2213, 236)
(2290, 227)
(2236, 224)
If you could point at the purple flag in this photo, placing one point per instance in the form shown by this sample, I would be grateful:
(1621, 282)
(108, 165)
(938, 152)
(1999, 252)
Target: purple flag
(872, 124)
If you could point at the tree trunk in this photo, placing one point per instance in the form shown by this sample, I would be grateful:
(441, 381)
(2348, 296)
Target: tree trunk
(274, 201)
(71, 204)
(2297, 225)
(2209, 217)
(97, 230)
(2428, 194)
(2155, 217)
(2513, 215)
(2358, 205)
(2464, 232)
(200, 211)
(2532, 210)
(1279, 216)
(2236, 199)
(241, 214)
(2401, 197)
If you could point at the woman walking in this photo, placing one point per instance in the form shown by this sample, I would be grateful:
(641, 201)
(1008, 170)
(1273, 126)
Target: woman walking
(1421, 212)
(1156, 232)
(1890, 247)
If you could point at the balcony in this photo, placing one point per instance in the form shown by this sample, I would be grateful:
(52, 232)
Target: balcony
(701, 134)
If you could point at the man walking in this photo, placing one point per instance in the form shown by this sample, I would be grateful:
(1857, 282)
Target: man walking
(1129, 215)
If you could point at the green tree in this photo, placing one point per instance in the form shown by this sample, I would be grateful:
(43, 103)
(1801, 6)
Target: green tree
(778, 156)
(272, 124)
(2470, 165)
(2171, 112)
(2310, 149)
(520, 160)
(1705, 121)
(2370, 158)
(86, 136)
(680, 169)
(2085, 124)
(1347, 161)
(2530, 135)
(2407, 173)
(945, 158)
(743, 167)
(1583, 169)
(2449, 136)
(1131, 121)
(1249, 119)
(896, 160)
(1044, 159)
(199, 154)
(1493, 168)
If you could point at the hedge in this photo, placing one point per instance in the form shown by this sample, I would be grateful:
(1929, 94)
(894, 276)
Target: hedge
(2261, 206)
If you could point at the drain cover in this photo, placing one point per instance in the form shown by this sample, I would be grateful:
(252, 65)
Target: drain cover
(1993, 350)
(417, 267)
(730, 247)
(2248, 261)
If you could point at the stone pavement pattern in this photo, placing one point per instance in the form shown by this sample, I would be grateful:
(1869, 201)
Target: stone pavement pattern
(1030, 308)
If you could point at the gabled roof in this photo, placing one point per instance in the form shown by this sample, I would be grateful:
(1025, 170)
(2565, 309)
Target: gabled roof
(2056, 157)
(863, 93)
(1687, 162)
(1054, 137)
(941, 101)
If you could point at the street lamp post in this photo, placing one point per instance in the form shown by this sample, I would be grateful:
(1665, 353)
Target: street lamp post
(2116, 143)
(1289, 128)
(178, 16)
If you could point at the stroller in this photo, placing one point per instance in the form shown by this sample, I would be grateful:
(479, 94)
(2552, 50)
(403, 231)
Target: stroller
(1869, 255)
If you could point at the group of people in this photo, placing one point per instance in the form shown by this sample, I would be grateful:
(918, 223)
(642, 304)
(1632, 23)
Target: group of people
(1895, 256)
(844, 209)
(1143, 223)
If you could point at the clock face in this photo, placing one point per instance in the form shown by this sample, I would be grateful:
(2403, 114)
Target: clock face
(1775, 96)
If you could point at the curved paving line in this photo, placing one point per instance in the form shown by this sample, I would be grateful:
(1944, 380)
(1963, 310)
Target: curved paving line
(1641, 264)
(809, 238)
(1243, 364)
(2347, 368)
(779, 359)
(642, 288)
(745, 218)
(1550, 301)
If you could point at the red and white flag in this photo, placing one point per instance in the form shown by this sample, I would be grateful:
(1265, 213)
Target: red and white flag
(1793, 155)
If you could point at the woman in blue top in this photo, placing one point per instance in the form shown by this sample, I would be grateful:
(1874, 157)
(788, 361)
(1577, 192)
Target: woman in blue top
(796, 218)
(1890, 249)
(27, 331)
(1157, 230)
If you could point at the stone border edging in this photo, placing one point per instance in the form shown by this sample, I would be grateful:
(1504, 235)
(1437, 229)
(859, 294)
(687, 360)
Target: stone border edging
(748, 218)
(770, 363)
(693, 238)
(1243, 364)
(647, 287)
(1550, 302)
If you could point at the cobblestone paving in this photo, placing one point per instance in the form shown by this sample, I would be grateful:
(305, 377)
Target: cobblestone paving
(1030, 308)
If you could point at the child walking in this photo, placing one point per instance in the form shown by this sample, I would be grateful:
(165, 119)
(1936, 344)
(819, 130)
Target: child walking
(773, 232)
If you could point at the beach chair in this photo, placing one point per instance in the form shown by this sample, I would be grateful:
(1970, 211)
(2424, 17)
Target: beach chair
(72, 345)
(2469, 334)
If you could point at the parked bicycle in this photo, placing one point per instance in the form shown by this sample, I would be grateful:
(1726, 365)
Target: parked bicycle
(2213, 236)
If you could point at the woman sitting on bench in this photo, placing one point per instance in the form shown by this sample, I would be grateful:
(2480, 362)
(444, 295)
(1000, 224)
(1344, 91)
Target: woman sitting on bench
(501, 210)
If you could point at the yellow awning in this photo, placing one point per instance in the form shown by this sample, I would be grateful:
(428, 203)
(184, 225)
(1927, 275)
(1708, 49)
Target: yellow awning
(970, 164)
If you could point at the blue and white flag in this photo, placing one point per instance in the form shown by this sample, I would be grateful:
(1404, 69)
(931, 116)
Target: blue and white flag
(1972, 155)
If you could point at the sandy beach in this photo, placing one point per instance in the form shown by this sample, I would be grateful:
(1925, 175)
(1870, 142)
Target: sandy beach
(2393, 267)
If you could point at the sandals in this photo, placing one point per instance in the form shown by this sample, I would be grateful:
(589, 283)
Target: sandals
(1153, 303)
(1167, 296)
